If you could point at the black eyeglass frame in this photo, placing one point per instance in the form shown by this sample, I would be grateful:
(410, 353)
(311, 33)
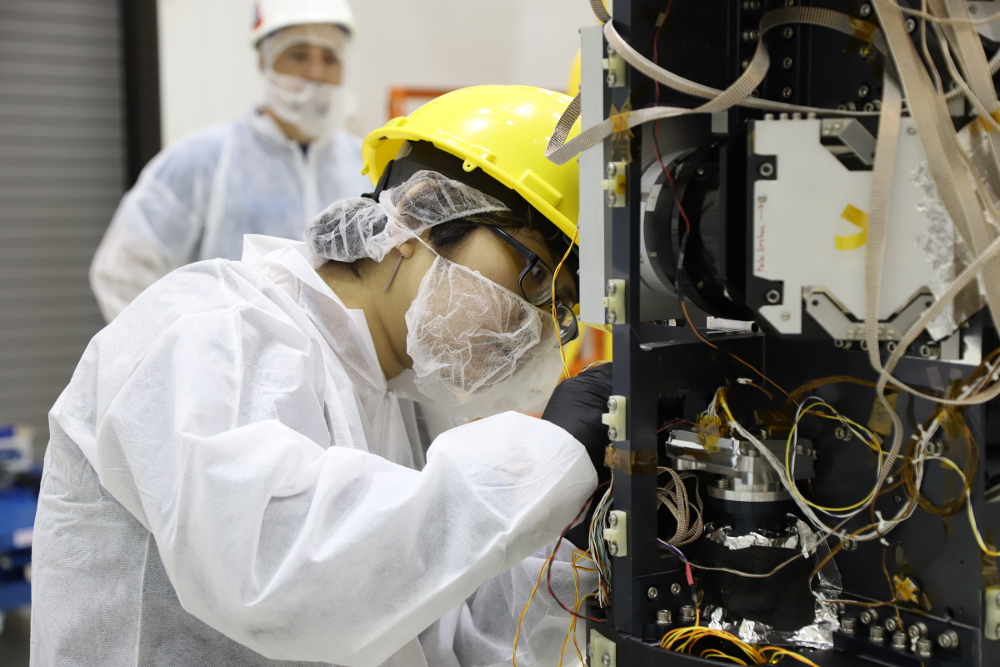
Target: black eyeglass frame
(570, 329)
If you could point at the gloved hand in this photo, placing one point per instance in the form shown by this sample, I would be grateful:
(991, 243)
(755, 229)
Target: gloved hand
(577, 406)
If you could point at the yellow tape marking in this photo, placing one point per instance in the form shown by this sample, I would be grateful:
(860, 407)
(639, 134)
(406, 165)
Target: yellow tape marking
(987, 124)
(857, 217)
(619, 122)
(863, 30)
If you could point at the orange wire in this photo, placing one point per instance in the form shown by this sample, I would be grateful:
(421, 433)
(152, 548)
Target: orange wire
(733, 355)
(555, 318)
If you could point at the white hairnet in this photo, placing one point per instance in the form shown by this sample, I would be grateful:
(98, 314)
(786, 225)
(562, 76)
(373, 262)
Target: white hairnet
(360, 227)
(323, 35)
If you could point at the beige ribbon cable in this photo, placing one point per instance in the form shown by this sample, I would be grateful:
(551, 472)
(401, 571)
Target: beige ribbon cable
(560, 151)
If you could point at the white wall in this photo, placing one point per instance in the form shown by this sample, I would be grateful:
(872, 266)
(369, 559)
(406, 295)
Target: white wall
(208, 72)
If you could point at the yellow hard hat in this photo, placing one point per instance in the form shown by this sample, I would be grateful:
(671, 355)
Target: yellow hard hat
(502, 130)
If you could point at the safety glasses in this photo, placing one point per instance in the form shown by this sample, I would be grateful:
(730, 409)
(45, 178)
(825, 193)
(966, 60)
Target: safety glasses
(536, 285)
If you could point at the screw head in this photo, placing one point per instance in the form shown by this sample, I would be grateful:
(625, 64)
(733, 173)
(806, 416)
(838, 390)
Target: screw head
(612, 199)
(785, 315)
(891, 624)
(612, 287)
(786, 92)
(652, 592)
(866, 10)
(612, 169)
(612, 79)
(606, 659)
(863, 91)
(613, 432)
(612, 520)
(766, 169)
(787, 63)
(911, 25)
(869, 616)
(788, 33)
(917, 630)
(612, 404)
(948, 639)
(773, 296)
(613, 549)
(675, 588)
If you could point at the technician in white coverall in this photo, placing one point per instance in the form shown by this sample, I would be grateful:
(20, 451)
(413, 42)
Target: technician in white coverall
(236, 475)
(269, 172)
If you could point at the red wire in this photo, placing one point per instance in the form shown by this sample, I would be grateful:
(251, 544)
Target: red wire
(656, 124)
(673, 424)
(552, 556)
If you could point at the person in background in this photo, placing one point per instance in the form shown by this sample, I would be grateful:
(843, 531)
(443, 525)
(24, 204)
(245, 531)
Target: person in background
(268, 173)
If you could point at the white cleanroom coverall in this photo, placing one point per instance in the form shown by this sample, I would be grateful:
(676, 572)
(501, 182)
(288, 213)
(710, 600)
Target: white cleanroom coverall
(230, 482)
(196, 200)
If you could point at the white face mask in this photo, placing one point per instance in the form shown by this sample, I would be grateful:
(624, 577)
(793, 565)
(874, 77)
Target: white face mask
(477, 348)
(317, 109)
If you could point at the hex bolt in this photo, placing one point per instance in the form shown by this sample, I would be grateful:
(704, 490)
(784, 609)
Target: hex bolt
(866, 10)
(917, 630)
(788, 33)
(652, 592)
(948, 639)
(664, 617)
(869, 617)
(766, 169)
(675, 589)
(687, 613)
(911, 25)
(899, 640)
(863, 91)
(786, 92)
(925, 648)
(848, 625)
(787, 63)
(606, 659)
(773, 296)
(877, 634)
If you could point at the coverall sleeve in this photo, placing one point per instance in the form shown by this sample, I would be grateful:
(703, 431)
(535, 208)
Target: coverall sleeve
(300, 547)
(157, 225)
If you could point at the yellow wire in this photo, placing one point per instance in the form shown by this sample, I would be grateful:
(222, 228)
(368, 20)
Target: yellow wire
(520, 619)
(786, 653)
(555, 319)
(716, 653)
(836, 417)
(968, 506)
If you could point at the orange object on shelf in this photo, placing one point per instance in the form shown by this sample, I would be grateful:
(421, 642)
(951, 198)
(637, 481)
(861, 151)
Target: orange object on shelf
(402, 101)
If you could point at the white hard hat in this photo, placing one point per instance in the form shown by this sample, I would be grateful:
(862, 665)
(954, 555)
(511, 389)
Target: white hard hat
(272, 15)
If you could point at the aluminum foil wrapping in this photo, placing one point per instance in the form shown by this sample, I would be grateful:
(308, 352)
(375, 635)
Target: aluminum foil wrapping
(948, 254)
(825, 587)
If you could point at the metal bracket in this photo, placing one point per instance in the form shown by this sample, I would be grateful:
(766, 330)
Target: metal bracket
(602, 651)
(614, 418)
(616, 533)
(831, 317)
(614, 302)
(615, 183)
(615, 65)
(991, 612)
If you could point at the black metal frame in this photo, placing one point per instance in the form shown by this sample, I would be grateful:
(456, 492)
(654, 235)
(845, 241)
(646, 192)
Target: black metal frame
(942, 552)
(141, 66)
